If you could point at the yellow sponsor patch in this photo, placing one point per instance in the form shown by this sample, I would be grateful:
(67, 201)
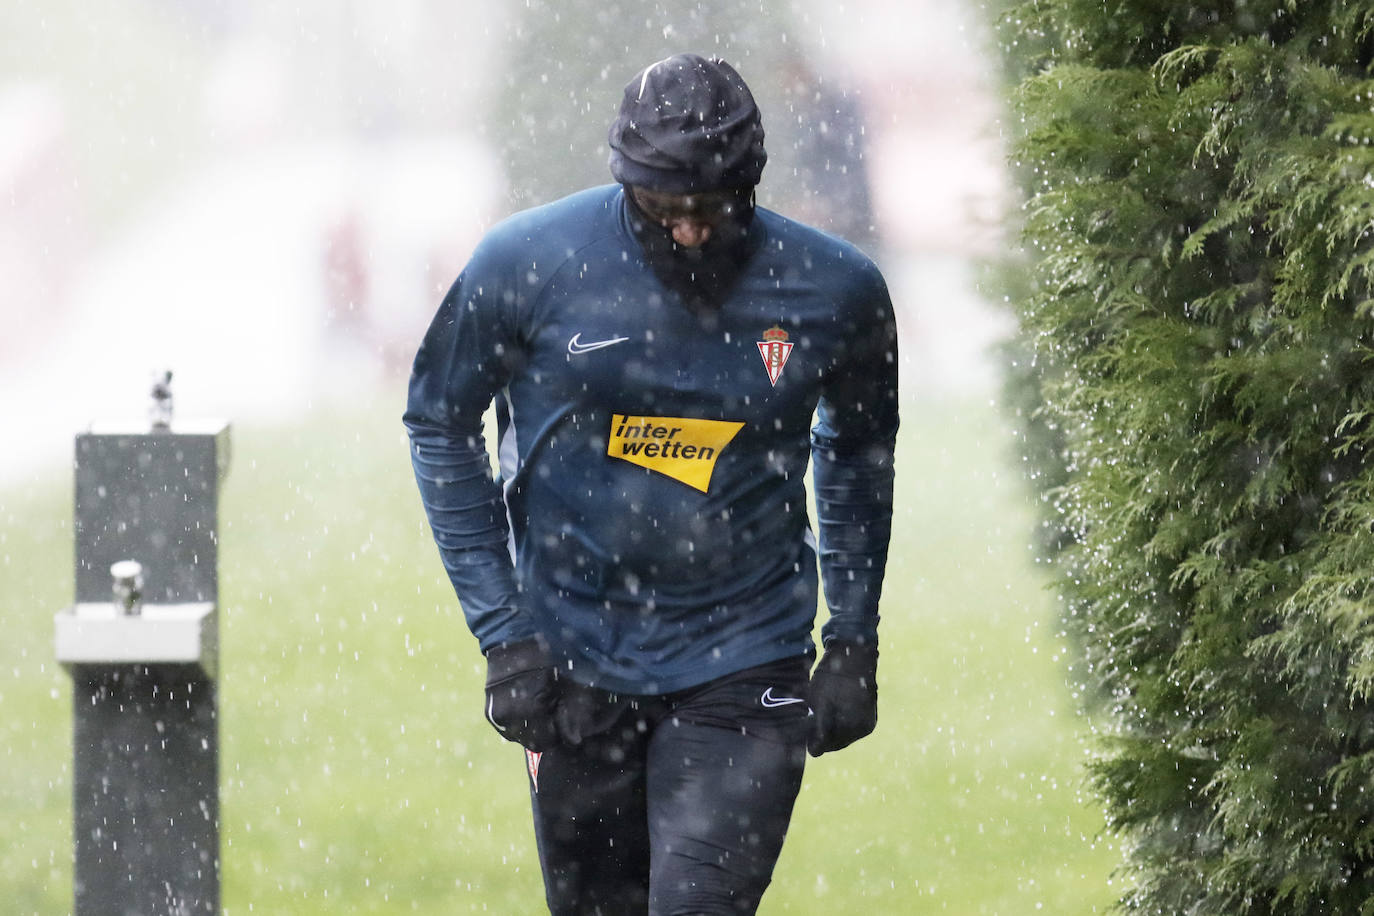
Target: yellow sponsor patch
(681, 448)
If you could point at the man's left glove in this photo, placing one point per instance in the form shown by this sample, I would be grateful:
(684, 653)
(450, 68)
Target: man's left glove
(522, 694)
(843, 696)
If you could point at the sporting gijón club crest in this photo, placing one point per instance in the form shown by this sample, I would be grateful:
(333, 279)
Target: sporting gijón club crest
(774, 348)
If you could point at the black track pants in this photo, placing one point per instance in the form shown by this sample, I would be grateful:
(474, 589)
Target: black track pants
(673, 804)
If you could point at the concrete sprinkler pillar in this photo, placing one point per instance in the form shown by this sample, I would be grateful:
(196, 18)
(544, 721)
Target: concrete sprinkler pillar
(141, 645)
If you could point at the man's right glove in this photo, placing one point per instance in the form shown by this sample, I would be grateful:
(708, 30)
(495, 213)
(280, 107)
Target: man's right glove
(843, 696)
(522, 693)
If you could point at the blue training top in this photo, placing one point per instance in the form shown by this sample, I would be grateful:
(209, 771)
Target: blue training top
(650, 520)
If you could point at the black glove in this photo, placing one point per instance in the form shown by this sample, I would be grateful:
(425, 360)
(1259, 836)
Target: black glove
(522, 693)
(843, 696)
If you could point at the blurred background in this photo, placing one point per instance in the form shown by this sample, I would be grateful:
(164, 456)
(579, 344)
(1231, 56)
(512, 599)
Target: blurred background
(270, 199)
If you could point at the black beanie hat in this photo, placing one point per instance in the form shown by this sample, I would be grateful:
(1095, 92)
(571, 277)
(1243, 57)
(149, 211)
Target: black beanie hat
(687, 125)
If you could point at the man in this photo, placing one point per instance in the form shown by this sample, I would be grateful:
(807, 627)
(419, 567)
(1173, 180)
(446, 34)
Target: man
(642, 579)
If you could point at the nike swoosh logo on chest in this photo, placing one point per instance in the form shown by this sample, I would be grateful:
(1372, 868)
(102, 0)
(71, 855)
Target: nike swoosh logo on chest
(576, 345)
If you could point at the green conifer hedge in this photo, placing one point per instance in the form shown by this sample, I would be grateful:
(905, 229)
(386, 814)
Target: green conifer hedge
(1199, 223)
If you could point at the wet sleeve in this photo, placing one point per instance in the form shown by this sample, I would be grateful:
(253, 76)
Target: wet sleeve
(852, 446)
(465, 358)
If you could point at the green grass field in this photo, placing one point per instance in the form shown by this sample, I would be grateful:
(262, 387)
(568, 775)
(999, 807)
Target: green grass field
(358, 774)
